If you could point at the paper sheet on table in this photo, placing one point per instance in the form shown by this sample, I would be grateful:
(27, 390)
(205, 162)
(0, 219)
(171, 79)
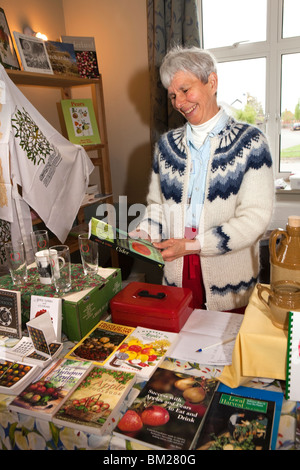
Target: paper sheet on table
(205, 328)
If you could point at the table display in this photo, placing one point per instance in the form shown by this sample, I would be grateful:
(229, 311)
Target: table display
(25, 431)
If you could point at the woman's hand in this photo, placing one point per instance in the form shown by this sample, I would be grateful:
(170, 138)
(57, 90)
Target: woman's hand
(140, 234)
(177, 247)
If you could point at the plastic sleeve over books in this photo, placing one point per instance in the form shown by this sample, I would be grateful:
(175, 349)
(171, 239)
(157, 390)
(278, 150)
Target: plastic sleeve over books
(289, 356)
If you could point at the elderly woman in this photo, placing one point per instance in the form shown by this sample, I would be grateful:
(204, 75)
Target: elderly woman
(211, 189)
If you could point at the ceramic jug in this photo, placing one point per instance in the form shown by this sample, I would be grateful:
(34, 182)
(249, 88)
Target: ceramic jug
(280, 298)
(284, 246)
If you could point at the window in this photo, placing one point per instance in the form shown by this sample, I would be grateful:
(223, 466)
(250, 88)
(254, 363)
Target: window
(257, 46)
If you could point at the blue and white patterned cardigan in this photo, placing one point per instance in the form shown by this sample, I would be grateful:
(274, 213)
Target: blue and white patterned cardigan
(237, 208)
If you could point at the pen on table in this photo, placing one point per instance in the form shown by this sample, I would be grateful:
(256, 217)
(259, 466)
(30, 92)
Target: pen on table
(228, 340)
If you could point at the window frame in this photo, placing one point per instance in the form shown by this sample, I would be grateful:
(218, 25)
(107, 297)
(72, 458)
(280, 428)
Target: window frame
(272, 50)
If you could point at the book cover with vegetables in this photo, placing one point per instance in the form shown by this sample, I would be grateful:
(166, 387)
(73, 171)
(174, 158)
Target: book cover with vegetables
(42, 397)
(243, 418)
(15, 375)
(81, 123)
(168, 411)
(101, 342)
(95, 403)
(142, 351)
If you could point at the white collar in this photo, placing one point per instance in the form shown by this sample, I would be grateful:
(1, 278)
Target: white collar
(201, 131)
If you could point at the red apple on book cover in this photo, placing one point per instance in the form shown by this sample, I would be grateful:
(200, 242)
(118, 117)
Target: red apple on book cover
(130, 422)
(144, 250)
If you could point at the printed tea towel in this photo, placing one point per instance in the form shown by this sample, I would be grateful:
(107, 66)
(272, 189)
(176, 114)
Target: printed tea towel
(38, 167)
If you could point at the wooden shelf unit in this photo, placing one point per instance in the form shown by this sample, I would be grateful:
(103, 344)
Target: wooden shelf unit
(66, 84)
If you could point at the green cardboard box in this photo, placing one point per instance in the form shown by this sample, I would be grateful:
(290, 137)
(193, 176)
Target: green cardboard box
(83, 307)
(81, 311)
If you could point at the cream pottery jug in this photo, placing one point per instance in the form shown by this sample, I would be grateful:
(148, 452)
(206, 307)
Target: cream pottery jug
(285, 255)
(280, 299)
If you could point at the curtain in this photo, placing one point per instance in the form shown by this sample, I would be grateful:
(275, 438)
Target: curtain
(170, 22)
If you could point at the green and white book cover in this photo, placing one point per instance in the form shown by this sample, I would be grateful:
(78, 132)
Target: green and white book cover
(80, 119)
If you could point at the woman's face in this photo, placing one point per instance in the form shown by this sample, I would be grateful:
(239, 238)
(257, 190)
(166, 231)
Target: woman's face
(196, 101)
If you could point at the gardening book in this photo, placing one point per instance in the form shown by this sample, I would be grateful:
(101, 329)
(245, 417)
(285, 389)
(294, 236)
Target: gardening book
(168, 411)
(101, 342)
(293, 358)
(40, 304)
(86, 56)
(242, 418)
(106, 234)
(94, 405)
(10, 313)
(15, 375)
(43, 396)
(81, 123)
(142, 351)
(62, 58)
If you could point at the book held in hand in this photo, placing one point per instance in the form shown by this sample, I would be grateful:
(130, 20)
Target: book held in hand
(43, 396)
(95, 403)
(106, 234)
(168, 412)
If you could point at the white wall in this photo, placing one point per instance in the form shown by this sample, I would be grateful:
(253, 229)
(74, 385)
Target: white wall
(120, 31)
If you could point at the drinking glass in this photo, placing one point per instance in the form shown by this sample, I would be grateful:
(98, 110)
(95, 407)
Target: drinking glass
(62, 280)
(89, 254)
(16, 261)
(39, 240)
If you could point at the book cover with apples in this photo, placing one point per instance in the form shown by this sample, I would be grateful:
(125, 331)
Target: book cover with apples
(143, 351)
(42, 397)
(105, 234)
(95, 403)
(168, 412)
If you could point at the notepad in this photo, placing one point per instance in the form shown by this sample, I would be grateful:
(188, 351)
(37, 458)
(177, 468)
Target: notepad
(293, 358)
(203, 329)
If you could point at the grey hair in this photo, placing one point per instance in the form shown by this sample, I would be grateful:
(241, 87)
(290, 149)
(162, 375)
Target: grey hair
(188, 59)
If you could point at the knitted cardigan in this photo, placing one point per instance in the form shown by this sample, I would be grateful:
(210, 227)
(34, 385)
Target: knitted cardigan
(236, 212)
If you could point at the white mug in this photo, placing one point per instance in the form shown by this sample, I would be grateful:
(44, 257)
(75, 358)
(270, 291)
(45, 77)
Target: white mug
(48, 264)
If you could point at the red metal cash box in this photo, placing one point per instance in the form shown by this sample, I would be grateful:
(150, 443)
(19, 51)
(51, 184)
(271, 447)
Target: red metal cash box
(154, 306)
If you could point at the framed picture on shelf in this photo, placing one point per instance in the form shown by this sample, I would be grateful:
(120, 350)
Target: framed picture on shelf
(33, 53)
(62, 58)
(8, 56)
